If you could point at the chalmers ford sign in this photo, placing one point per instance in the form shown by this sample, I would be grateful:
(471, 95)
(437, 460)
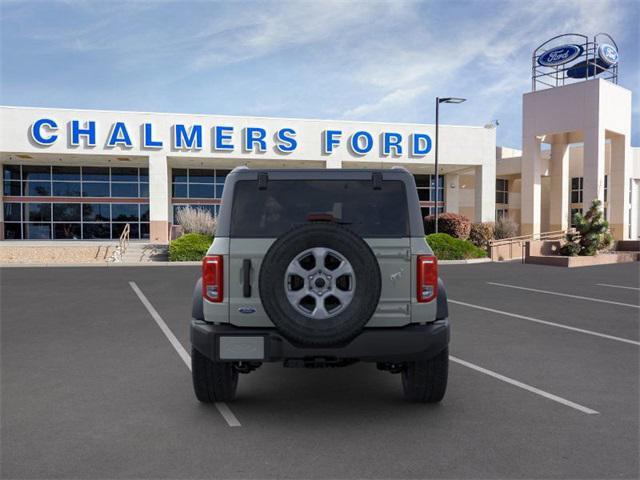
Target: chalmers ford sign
(196, 137)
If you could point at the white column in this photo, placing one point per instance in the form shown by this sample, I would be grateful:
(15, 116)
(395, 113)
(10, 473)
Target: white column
(618, 188)
(531, 189)
(159, 198)
(593, 167)
(485, 192)
(451, 194)
(559, 204)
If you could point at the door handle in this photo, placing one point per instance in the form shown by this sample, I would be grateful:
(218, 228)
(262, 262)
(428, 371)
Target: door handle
(246, 277)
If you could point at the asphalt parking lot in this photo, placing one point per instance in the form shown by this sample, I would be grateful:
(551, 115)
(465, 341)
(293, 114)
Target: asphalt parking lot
(544, 383)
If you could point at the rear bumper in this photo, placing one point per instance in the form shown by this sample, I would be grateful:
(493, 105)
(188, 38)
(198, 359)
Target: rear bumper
(372, 345)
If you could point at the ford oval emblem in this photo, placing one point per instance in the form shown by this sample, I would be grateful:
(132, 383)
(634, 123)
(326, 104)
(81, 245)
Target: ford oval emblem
(560, 55)
(247, 310)
(608, 54)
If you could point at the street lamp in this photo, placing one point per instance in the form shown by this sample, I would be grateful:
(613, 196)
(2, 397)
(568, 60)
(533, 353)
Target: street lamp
(438, 102)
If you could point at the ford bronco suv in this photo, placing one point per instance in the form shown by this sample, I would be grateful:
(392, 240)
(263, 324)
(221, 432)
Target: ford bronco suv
(320, 268)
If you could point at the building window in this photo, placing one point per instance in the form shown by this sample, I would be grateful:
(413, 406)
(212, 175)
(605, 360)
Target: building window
(197, 183)
(426, 186)
(427, 211)
(502, 190)
(576, 190)
(502, 213)
(63, 181)
(573, 212)
(64, 215)
(203, 187)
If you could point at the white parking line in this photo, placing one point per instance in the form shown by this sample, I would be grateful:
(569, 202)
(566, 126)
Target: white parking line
(591, 299)
(616, 286)
(222, 407)
(545, 322)
(524, 386)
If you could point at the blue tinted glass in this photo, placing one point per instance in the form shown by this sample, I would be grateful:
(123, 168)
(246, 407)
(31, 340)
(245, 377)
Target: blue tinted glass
(12, 231)
(36, 172)
(37, 231)
(37, 212)
(124, 190)
(201, 191)
(12, 189)
(124, 212)
(96, 212)
(179, 190)
(144, 212)
(12, 212)
(11, 172)
(144, 190)
(69, 231)
(95, 174)
(219, 189)
(66, 212)
(95, 189)
(221, 175)
(423, 194)
(200, 175)
(66, 189)
(144, 230)
(144, 174)
(179, 175)
(128, 174)
(117, 228)
(96, 230)
(37, 189)
(66, 173)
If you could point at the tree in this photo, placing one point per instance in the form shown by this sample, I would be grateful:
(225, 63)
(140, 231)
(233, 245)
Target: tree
(591, 235)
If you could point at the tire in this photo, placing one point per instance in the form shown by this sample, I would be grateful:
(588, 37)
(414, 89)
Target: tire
(364, 292)
(425, 381)
(212, 381)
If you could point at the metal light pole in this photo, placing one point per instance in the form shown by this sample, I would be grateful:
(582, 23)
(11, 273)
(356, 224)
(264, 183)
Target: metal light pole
(438, 102)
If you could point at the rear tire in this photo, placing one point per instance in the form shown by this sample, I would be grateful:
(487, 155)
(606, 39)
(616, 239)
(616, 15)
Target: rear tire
(212, 381)
(425, 381)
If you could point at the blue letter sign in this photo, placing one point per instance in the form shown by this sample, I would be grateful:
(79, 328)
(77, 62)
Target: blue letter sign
(36, 131)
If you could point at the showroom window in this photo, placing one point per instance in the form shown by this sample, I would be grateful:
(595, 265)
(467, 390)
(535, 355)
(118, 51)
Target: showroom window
(202, 187)
(426, 185)
(63, 181)
(65, 214)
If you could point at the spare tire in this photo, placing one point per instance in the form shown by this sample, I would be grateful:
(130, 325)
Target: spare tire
(319, 284)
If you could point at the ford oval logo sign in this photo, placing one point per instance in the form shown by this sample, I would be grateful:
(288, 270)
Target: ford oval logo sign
(560, 55)
(247, 310)
(608, 54)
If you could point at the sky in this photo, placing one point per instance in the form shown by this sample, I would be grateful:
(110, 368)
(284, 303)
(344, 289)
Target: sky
(382, 61)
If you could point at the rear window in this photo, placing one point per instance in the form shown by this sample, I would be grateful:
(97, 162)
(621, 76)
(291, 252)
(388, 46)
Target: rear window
(285, 204)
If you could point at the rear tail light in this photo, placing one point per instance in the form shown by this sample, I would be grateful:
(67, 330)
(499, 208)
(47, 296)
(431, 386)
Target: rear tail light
(427, 278)
(212, 278)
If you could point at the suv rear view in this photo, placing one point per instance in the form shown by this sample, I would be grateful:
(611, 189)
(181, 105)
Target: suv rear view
(320, 268)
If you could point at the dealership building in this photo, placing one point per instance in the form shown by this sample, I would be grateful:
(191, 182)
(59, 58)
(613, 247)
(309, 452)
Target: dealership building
(85, 174)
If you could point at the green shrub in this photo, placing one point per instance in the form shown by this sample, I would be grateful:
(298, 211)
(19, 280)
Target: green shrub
(591, 235)
(445, 247)
(453, 224)
(189, 247)
(481, 234)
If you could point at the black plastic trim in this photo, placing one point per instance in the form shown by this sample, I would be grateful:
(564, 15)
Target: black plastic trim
(197, 311)
(371, 345)
(246, 277)
(443, 306)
